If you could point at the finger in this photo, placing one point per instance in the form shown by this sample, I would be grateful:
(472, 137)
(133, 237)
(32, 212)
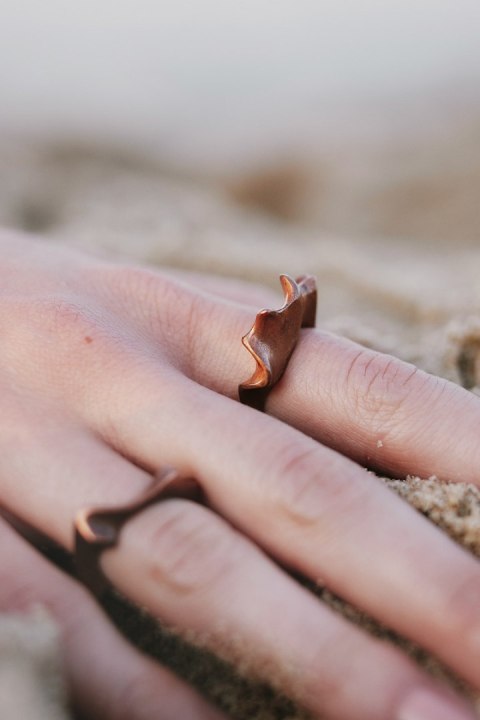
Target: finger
(108, 679)
(382, 412)
(190, 568)
(320, 513)
(183, 563)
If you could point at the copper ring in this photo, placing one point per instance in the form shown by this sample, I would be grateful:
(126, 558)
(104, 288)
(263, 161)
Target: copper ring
(97, 529)
(273, 337)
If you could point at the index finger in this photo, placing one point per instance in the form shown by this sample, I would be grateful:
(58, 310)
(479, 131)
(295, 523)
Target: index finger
(381, 411)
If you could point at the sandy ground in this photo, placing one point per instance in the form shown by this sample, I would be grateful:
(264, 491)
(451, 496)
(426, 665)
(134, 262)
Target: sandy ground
(406, 282)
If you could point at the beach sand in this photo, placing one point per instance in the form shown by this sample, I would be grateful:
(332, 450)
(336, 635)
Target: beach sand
(401, 288)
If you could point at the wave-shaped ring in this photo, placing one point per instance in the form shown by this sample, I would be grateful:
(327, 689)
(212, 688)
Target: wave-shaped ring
(274, 335)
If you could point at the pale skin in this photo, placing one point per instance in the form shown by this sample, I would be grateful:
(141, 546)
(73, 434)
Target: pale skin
(109, 373)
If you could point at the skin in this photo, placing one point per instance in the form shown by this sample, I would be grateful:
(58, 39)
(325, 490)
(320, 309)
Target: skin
(109, 373)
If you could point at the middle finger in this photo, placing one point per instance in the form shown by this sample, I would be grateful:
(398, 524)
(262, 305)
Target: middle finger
(319, 513)
(190, 568)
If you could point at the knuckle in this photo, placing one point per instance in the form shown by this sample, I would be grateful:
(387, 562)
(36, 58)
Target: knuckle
(188, 547)
(184, 317)
(171, 310)
(380, 386)
(174, 315)
(190, 328)
(296, 458)
(312, 483)
(297, 489)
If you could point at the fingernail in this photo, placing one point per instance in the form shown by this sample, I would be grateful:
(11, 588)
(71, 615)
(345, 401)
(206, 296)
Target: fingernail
(427, 705)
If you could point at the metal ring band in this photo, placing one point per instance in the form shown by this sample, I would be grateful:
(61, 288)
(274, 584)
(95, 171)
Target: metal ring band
(273, 336)
(97, 529)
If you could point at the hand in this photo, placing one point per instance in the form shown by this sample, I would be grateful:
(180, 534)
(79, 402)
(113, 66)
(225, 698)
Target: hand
(109, 373)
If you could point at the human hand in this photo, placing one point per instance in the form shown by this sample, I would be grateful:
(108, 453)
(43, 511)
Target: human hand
(109, 373)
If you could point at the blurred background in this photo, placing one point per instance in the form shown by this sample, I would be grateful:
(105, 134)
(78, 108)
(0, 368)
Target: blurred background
(196, 134)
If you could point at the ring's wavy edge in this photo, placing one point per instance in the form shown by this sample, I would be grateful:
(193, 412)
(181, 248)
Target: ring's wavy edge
(97, 529)
(273, 336)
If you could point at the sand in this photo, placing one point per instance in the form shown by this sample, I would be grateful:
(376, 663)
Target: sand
(419, 301)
